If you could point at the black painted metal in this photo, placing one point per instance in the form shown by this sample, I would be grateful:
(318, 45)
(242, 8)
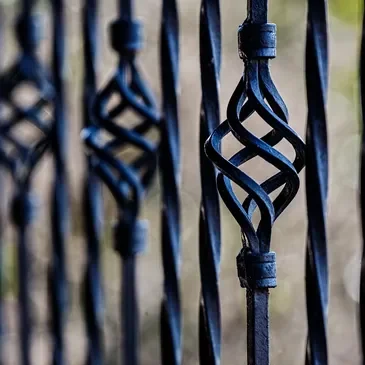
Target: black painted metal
(209, 228)
(3, 221)
(169, 160)
(316, 182)
(127, 181)
(362, 187)
(92, 294)
(21, 158)
(256, 93)
(57, 279)
(110, 138)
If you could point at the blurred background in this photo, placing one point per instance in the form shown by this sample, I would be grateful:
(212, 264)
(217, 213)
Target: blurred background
(288, 316)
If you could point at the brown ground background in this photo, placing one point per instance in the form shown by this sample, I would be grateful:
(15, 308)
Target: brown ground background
(288, 325)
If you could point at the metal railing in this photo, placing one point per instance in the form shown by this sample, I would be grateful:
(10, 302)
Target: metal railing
(129, 142)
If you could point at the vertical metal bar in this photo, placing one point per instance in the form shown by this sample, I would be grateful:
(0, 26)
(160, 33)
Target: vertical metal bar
(258, 326)
(28, 6)
(209, 227)
(257, 299)
(3, 203)
(92, 198)
(257, 11)
(21, 202)
(362, 187)
(126, 9)
(170, 175)
(24, 265)
(317, 182)
(59, 213)
(130, 311)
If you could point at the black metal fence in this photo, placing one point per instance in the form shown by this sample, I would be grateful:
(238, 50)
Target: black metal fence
(128, 139)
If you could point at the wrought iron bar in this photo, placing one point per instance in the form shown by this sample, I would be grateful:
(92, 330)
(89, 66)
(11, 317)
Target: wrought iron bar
(3, 218)
(316, 182)
(92, 198)
(57, 275)
(209, 227)
(256, 93)
(169, 160)
(362, 187)
(21, 158)
(127, 180)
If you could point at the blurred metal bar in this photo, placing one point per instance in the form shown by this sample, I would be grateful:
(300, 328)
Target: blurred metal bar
(209, 224)
(128, 181)
(169, 160)
(57, 280)
(362, 186)
(92, 292)
(20, 158)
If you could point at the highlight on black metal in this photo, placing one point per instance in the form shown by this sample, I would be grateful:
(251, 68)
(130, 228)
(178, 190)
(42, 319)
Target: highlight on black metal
(256, 92)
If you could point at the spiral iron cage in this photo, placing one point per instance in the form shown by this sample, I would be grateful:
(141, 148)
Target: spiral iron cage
(128, 141)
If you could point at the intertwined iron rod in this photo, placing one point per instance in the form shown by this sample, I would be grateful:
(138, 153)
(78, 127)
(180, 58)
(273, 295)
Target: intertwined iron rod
(127, 179)
(257, 93)
(92, 199)
(169, 160)
(316, 182)
(209, 227)
(21, 158)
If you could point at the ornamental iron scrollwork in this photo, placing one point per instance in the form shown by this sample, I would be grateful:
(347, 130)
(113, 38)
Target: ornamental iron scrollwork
(21, 156)
(256, 92)
(126, 178)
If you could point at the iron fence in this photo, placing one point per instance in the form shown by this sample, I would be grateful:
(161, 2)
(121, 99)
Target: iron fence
(127, 141)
